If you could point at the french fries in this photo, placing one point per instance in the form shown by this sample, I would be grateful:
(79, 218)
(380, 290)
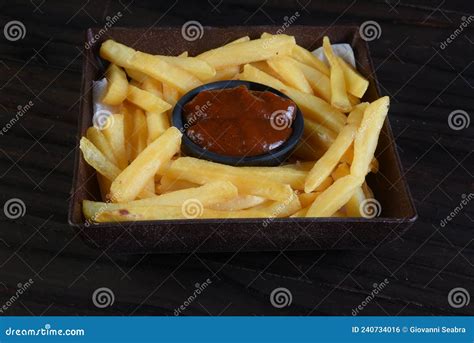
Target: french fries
(97, 160)
(326, 164)
(127, 185)
(339, 97)
(146, 100)
(356, 84)
(136, 155)
(171, 212)
(114, 132)
(98, 139)
(247, 182)
(334, 197)
(117, 86)
(250, 51)
(367, 136)
(306, 57)
(289, 71)
(149, 65)
(204, 196)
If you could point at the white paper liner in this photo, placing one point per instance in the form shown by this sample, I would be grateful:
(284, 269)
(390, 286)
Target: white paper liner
(343, 50)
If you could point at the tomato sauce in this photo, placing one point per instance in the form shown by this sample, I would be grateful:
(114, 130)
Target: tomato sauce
(238, 121)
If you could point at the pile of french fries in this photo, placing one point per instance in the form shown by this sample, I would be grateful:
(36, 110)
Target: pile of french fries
(143, 175)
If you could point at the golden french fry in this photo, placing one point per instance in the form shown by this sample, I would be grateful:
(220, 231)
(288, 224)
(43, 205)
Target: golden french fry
(139, 134)
(136, 75)
(356, 84)
(148, 191)
(226, 73)
(291, 176)
(250, 51)
(183, 54)
(353, 100)
(153, 86)
(334, 197)
(168, 184)
(306, 57)
(170, 94)
(306, 199)
(241, 202)
(299, 165)
(117, 86)
(367, 135)
(133, 178)
(318, 81)
(195, 66)
(239, 40)
(301, 213)
(207, 195)
(355, 117)
(280, 209)
(157, 123)
(100, 141)
(327, 182)
(170, 212)
(97, 160)
(146, 100)
(339, 97)
(313, 107)
(201, 172)
(128, 110)
(290, 73)
(114, 132)
(148, 64)
(326, 164)
(354, 204)
(341, 170)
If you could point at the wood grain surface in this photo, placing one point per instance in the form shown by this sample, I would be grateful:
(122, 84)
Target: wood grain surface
(430, 84)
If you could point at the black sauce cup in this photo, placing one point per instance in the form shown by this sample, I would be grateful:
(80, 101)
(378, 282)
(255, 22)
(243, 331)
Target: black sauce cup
(272, 158)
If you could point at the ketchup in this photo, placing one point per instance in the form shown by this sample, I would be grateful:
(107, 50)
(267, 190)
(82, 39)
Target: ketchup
(239, 122)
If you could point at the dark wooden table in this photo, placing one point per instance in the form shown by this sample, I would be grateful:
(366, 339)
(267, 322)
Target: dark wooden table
(426, 82)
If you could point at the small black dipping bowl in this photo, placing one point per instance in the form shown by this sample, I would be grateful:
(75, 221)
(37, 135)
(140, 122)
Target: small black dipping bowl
(272, 158)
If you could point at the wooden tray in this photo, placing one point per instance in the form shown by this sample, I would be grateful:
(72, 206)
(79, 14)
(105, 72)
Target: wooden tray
(213, 235)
